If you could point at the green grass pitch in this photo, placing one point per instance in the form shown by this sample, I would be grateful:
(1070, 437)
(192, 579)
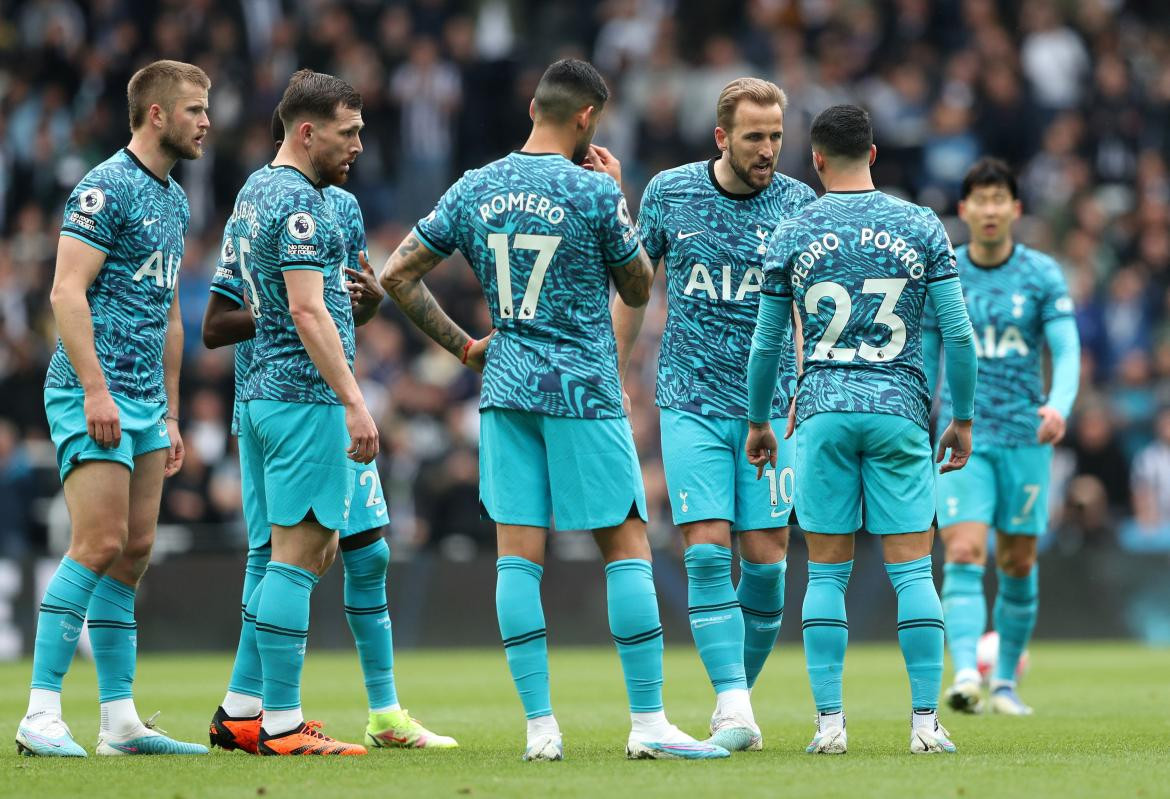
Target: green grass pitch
(1102, 729)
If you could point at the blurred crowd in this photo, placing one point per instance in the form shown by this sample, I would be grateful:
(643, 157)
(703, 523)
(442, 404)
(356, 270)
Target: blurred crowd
(1075, 95)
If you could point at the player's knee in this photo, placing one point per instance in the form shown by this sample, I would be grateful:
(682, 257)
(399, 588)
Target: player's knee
(366, 567)
(327, 558)
(969, 552)
(98, 552)
(1016, 564)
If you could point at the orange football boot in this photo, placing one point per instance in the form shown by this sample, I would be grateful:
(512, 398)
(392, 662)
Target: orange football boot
(235, 732)
(306, 739)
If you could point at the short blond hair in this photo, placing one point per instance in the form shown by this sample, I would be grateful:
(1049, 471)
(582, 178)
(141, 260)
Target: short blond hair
(756, 90)
(158, 82)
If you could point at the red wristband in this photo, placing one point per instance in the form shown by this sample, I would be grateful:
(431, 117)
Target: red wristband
(466, 349)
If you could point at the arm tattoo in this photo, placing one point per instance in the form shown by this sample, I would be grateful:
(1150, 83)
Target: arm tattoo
(633, 279)
(402, 280)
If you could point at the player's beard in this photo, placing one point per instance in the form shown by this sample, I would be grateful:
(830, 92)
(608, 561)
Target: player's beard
(743, 170)
(330, 176)
(175, 146)
(581, 149)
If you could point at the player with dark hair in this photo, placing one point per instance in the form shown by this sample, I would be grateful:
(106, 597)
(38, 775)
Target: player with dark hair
(545, 238)
(112, 401)
(860, 265)
(1018, 302)
(364, 552)
(301, 412)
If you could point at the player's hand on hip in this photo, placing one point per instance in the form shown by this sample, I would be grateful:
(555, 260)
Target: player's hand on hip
(627, 404)
(477, 352)
(956, 438)
(363, 285)
(101, 419)
(176, 452)
(1052, 425)
(791, 427)
(761, 447)
(599, 159)
(363, 433)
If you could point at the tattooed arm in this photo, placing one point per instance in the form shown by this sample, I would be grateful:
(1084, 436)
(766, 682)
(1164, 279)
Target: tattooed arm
(402, 278)
(634, 279)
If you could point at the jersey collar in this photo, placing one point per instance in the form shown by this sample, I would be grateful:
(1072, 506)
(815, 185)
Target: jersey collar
(320, 189)
(164, 181)
(988, 267)
(729, 195)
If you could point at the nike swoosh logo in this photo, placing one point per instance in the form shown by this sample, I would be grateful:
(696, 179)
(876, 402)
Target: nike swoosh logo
(776, 514)
(162, 432)
(682, 235)
(381, 512)
(38, 738)
(698, 624)
(149, 222)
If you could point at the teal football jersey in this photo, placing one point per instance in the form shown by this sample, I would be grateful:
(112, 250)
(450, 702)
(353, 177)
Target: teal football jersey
(1009, 305)
(280, 222)
(541, 234)
(227, 280)
(857, 265)
(138, 221)
(713, 243)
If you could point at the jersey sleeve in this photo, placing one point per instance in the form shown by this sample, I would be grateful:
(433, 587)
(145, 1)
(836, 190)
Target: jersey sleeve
(615, 229)
(96, 210)
(650, 219)
(801, 195)
(1057, 303)
(305, 222)
(940, 255)
(439, 230)
(226, 280)
(776, 264)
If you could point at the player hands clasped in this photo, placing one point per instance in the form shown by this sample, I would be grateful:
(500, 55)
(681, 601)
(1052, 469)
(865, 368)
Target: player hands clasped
(364, 552)
(710, 222)
(112, 401)
(1018, 302)
(545, 237)
(859, 265)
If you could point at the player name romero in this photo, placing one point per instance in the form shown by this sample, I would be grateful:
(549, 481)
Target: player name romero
(865, 237)
(522, 201)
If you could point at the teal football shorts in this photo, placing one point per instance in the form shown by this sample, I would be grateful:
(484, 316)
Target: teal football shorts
(1003, 487)
(144, 429)
(709, 476)
(583, 472)
(845, 458)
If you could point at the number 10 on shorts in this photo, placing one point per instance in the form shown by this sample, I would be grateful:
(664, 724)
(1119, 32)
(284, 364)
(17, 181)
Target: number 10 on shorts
(780, 485)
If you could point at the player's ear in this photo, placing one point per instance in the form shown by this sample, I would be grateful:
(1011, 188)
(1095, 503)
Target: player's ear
(872, 154)
(156, 115)
(720, 138)
(585, 116)
(532, 109)
(1017, 209)
(818, 162)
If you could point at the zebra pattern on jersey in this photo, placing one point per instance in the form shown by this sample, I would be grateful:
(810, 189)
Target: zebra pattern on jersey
(281, 221)
(713, 243)
(138, 221)
(541, 234)
(857, 265)
(1009, 306)
(227, 280)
